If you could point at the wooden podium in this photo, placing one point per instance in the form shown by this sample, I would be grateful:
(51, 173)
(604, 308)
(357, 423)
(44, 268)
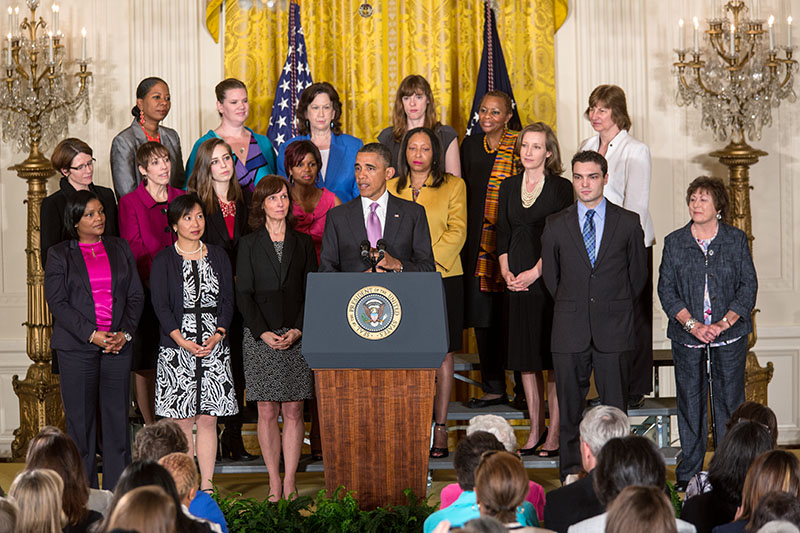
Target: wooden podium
(374, 342)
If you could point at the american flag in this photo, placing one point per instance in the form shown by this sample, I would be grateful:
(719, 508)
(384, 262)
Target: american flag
(295, 77)
(493, 74)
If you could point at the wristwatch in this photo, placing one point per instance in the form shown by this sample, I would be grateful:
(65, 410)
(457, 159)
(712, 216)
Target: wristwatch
(689, 325)
(128, 337)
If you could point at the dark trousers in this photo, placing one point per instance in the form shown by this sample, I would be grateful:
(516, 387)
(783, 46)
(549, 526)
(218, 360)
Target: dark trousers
(573, 371)
(235, 338)
(89, 378)
(492, 356)
(727, 372)
(641, 368)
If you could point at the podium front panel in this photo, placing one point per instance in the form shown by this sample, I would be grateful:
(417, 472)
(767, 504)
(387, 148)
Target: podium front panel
(375, 320)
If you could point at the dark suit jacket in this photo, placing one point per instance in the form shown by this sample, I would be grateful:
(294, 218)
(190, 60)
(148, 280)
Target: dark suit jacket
(166, 289)
(594, 305)
(571, 504)
(51, 214)
(69, 293)
(406, 233)
(271, 294)
(217, 232)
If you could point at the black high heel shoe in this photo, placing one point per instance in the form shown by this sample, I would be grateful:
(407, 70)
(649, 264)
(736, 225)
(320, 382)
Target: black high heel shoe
(539, 444)
(436, 452)
(231, 444)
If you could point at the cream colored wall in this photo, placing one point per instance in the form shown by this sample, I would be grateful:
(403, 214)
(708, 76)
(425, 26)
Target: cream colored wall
(627, 42)
(630, 43)
(128, 40)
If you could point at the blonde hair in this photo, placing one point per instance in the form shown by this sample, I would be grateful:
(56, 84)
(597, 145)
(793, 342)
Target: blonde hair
(38, 494)
(641, 508)
(147, 508)
(8, 515)
(183, 470)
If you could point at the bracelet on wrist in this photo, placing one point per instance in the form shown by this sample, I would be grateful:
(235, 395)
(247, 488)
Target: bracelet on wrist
(91, 339)
(689, 325)
(221, 332)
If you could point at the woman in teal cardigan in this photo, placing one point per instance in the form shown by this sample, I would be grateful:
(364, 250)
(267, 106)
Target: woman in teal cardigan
(319, 114)
(253, 153)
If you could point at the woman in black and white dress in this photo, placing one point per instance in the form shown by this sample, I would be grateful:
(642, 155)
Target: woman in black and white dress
(192, 288)
(273, 263)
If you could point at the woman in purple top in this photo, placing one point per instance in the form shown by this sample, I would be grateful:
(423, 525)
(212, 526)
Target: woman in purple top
(143, 223)
(94, 293)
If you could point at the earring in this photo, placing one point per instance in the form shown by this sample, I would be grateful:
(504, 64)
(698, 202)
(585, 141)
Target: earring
(141, 118)
(331, 124)
(719, 216)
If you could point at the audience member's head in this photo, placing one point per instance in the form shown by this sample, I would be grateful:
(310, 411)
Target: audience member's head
(775, 470)
(599, 425)
(468, 456)
(142, 473)
(641, 508)
(744, 442)
(627, 461)
(38, 496)
(757, 413)
(484, 524)
(497, 426)
(8, 515)
(184, 472)
(775, 506)
(146, 508)
(154, 441)
(501, 485)
(779, 526)
(52, 449)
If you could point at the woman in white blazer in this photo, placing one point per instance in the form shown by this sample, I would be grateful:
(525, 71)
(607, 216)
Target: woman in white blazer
(629, 187)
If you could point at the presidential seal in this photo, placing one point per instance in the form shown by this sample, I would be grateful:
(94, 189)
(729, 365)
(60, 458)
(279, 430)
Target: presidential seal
(374, 312)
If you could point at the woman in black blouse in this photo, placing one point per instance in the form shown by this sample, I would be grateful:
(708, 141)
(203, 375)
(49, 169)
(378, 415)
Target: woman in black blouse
(215, 181)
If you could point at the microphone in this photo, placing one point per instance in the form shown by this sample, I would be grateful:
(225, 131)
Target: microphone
(381, 246)
(365, 252)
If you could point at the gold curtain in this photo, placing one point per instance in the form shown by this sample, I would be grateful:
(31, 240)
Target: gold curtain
(366, 58)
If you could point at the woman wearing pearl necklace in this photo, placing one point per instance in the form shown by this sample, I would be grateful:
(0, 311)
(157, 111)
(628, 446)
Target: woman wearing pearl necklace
(192, 288)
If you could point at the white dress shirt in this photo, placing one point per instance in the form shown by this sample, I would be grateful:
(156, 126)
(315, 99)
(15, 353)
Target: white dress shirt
(366, 204)
(628, 177)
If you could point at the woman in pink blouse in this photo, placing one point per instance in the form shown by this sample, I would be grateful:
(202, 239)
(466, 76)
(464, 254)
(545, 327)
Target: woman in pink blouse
(143, 223)
(94, 293)
(310, 203)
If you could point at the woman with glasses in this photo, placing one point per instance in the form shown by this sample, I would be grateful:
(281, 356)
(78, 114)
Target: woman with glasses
(73, 160)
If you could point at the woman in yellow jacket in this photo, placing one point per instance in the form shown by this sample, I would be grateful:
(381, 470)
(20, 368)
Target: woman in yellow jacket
(421, 178)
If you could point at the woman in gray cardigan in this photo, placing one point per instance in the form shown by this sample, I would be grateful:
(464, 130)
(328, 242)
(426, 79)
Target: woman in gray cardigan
(152, 106)
(707, 286)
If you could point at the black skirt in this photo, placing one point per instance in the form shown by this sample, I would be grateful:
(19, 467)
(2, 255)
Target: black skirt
(146, 338)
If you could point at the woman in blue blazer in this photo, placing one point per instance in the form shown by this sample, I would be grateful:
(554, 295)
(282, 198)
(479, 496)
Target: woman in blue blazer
(319, 118)
(93, 290)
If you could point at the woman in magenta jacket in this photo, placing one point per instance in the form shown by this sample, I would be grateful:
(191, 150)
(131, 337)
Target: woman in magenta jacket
(143, 223)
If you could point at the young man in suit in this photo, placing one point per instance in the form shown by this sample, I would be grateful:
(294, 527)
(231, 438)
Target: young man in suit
(577, 501)
(376, 216)
(594, 265)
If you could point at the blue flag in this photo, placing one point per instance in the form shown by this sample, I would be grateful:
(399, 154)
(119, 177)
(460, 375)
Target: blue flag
(493, 74)
(295, 77)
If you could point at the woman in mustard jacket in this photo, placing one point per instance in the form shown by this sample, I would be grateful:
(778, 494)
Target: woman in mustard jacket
(422, 179)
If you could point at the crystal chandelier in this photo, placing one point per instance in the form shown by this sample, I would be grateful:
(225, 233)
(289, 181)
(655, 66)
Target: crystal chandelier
(741, 78)
(40, 97)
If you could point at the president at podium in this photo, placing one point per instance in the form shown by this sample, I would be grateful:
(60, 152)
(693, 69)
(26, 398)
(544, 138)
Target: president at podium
(376, 227)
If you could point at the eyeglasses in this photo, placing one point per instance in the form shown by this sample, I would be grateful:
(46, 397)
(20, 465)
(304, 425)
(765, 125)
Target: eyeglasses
(82, 167)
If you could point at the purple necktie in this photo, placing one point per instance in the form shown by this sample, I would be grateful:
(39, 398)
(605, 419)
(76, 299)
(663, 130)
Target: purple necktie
(374, 232)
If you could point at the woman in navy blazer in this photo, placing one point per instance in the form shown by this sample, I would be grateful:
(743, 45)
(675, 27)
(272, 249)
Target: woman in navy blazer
(93, 290)
(319, 117)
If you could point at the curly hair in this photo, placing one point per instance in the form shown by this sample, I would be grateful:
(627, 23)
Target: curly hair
(308, 95)
(715, 187)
